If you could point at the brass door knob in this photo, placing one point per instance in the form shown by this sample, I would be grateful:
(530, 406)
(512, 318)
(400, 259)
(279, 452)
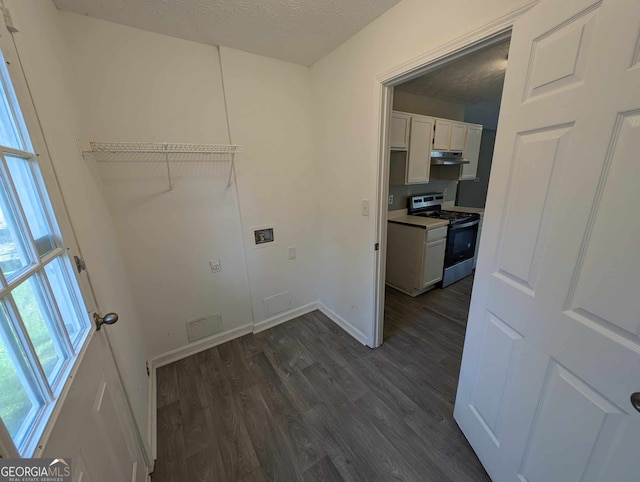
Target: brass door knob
(108, 319)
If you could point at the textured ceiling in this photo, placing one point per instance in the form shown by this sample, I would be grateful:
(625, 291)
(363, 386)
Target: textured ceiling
(476, 78)
(299, 31)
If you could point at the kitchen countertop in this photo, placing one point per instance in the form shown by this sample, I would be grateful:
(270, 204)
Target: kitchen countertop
(401, 217)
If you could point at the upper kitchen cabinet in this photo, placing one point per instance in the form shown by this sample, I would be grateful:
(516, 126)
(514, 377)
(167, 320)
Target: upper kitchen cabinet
(442, 135)
(414, 164)
(419, 157)
(449, 135)
(471, 152)
(458, 136)
(400, 128)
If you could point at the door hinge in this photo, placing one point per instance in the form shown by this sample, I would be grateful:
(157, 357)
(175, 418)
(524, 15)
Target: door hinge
(80, 264)
(376, 247)
(8, 21)
(147, 365)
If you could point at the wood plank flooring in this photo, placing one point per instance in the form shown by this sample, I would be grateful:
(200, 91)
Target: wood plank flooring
(305, 402)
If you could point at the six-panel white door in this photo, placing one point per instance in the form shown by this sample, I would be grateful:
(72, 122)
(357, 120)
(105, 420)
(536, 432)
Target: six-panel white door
(552, 351)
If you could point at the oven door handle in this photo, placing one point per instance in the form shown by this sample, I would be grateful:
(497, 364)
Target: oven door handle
(465, 225)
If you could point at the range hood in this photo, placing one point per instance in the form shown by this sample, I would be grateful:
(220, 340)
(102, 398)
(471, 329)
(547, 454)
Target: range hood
(447, 158)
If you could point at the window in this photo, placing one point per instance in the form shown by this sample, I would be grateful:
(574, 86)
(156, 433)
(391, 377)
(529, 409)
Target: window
(43, 322)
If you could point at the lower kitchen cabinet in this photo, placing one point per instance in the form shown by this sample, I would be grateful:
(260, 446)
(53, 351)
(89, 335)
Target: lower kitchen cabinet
(433, 263)
(415, 257)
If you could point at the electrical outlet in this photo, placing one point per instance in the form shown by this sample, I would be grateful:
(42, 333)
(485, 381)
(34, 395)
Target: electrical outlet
(216, 266)
(292, 252)
(390, 198)
(365, 207)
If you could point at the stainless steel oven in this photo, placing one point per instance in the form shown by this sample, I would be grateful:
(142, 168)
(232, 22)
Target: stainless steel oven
(462, 234)
(460, 251)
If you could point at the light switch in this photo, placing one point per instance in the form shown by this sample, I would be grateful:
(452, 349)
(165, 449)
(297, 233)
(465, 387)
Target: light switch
(292, 252)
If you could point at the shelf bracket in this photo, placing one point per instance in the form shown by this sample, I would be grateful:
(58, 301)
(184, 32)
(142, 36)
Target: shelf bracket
(232, 168)
(166, 158)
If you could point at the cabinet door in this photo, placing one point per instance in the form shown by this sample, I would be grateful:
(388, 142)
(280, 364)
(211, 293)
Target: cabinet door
(458, 135)
(399, 138)
(442, 137)
(471, 153)
(433, 262)
(419, 158)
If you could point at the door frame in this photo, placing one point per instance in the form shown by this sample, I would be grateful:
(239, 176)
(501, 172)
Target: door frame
(484, 36)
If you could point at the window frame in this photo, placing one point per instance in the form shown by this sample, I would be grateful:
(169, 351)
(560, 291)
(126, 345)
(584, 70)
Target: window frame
(49, 196)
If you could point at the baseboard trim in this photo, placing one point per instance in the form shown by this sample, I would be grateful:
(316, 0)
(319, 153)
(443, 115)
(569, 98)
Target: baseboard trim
(344, 324)
(284, 317)
(200, 345)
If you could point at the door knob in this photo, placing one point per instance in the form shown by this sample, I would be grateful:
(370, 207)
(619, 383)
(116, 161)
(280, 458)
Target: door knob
(108, 319)
(635, 400)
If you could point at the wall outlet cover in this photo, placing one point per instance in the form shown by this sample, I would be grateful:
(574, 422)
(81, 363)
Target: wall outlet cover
(390, 198)
(216, 265)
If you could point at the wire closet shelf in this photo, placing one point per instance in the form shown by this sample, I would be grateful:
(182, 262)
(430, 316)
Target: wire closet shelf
(167, 153)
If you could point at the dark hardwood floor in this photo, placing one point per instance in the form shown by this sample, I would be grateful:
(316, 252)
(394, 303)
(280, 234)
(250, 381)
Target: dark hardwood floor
(305, 401)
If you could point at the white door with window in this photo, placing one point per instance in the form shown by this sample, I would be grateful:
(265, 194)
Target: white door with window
(60, 394)
(549, 387)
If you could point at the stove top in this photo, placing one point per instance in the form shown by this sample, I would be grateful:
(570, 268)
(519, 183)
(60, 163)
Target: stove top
(429, 206)
(452, 217)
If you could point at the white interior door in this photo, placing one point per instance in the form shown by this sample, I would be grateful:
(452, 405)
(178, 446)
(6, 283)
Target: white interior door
(552, 351)
(69, 401)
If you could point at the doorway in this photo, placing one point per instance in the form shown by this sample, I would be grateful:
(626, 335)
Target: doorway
(448, 107)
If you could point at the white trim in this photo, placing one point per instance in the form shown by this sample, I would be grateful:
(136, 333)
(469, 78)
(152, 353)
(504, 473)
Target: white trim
(284, 317)
(152, 416)
(342, 323)
(383, 91)
(198, 346)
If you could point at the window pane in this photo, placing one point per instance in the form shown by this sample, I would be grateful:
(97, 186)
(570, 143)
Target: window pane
(66, 297)
(13, 251)
(19, 404)
(32, 205)
(11, 122)
(37, 319)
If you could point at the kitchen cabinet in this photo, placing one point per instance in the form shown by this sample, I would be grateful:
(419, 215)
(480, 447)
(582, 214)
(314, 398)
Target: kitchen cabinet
(442, 135)
(413, 165)
(399, 136)
(415, 257)
(433, 264)
(471, 152)
(458, 135)
(419, 155)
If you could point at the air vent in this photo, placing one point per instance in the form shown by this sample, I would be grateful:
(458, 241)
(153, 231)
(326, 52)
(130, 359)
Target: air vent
(203, 327)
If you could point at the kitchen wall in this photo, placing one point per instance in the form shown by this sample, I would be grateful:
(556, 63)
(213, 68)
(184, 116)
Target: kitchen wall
(402, 193)
(134, 85)
(47, 68)
(471, 193)
(420, 104)
(345, 137)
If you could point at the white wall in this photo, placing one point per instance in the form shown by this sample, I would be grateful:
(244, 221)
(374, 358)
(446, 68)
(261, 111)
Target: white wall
(270, 114)
(134, 85)
(421, 104)
(345, 136)
(44, 56)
